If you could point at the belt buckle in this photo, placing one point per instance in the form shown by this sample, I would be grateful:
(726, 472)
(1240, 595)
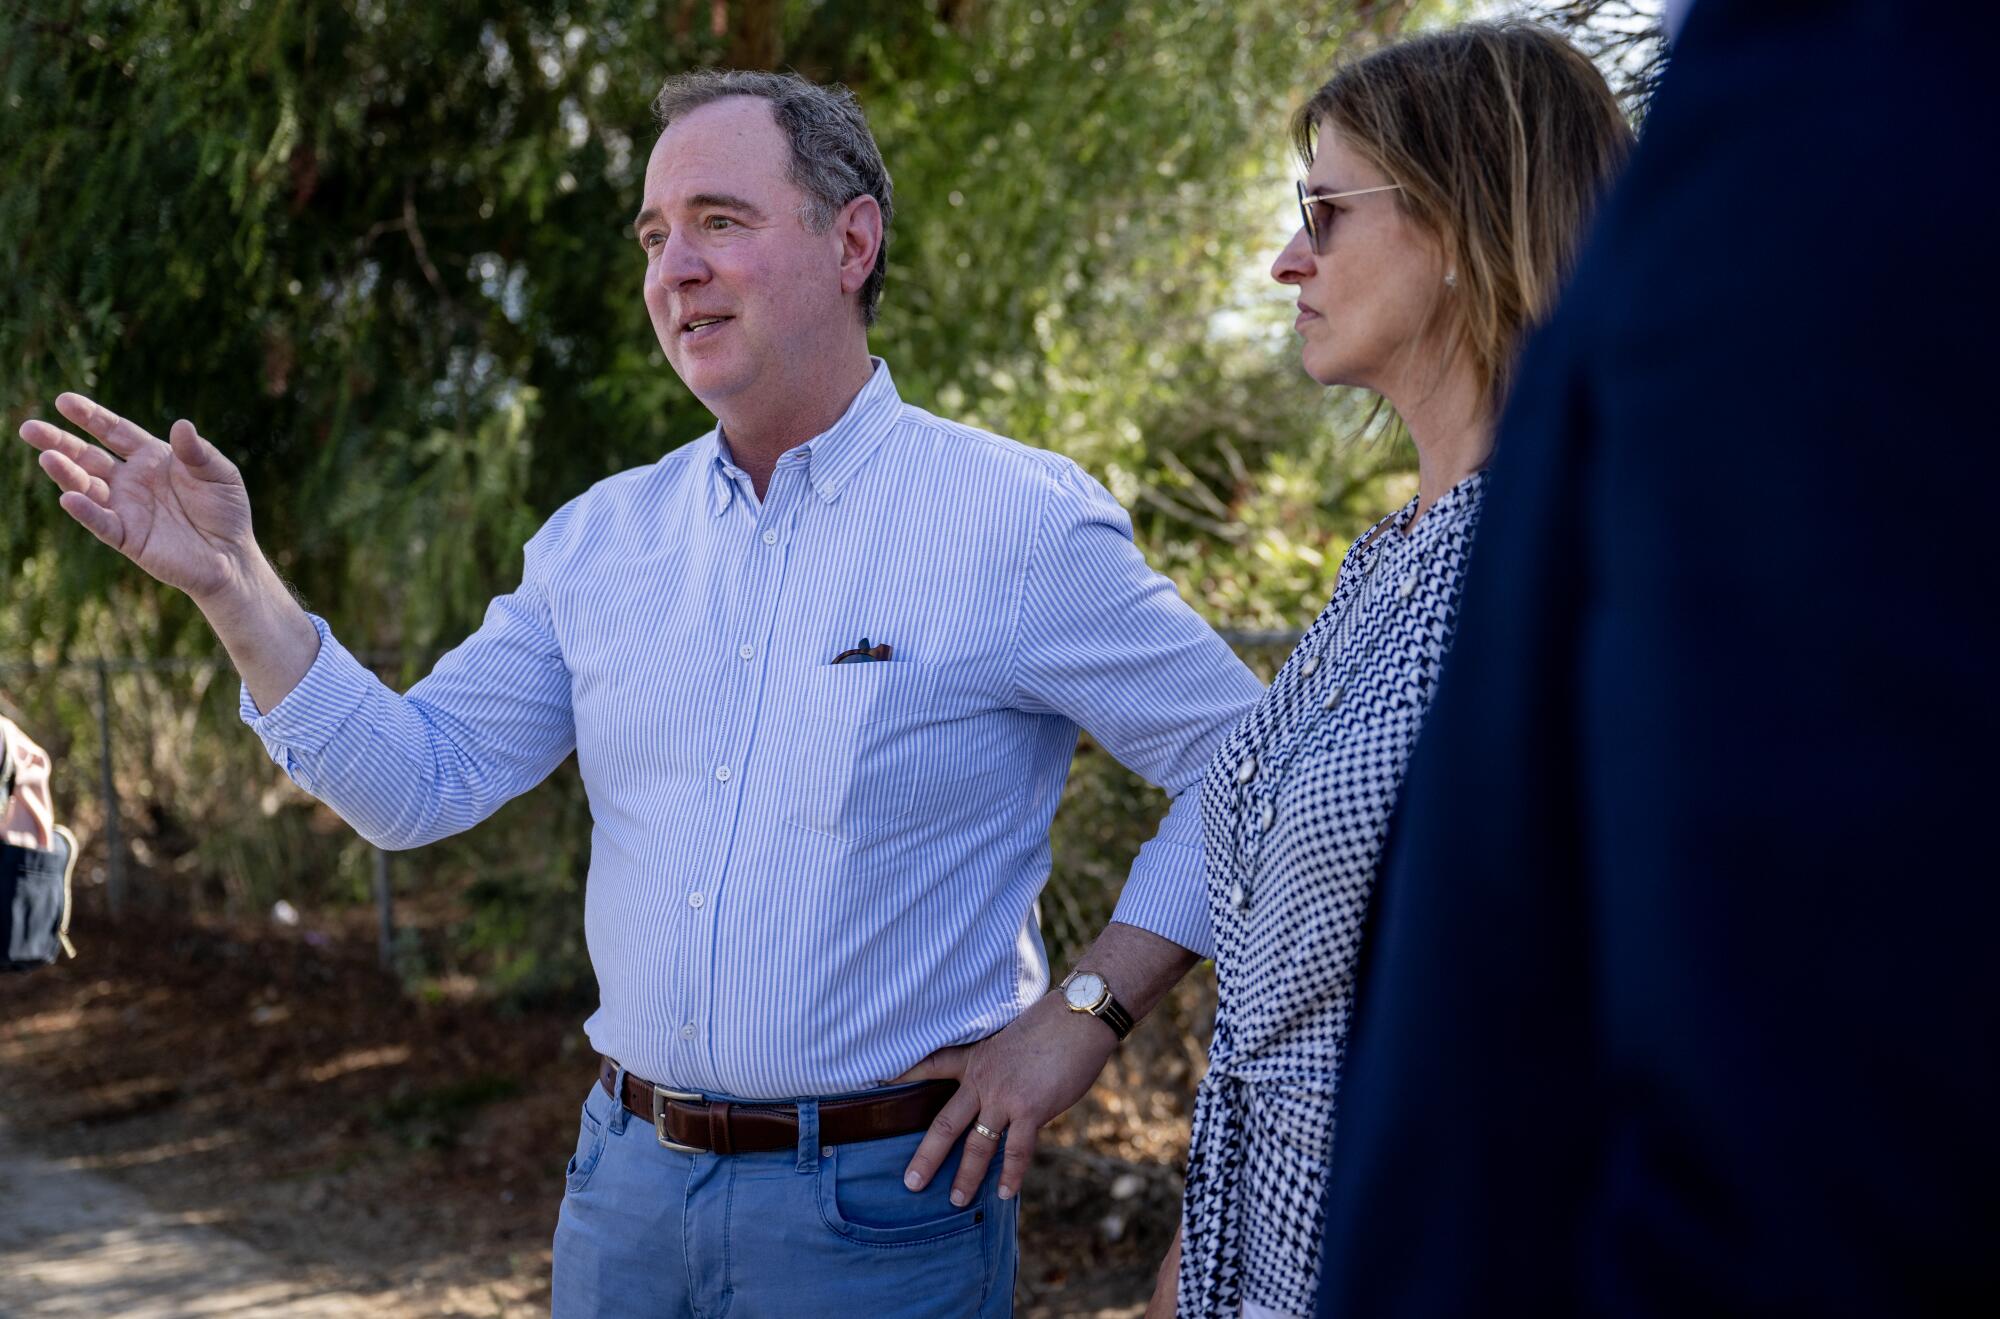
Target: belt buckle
(661, 1096)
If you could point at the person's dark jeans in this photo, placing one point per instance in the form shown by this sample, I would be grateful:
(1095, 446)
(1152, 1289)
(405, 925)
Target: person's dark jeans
(35, 894)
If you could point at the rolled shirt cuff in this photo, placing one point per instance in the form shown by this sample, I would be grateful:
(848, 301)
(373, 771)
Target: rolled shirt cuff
(1167, 895)
(322, 703)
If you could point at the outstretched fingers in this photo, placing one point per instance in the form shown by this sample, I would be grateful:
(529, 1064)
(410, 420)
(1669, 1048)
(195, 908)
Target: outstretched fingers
(112, 431)
(53, 439)
(69, 475)
(98, 520)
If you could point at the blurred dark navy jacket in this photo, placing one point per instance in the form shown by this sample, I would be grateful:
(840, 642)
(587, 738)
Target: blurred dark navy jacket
(1682, 992)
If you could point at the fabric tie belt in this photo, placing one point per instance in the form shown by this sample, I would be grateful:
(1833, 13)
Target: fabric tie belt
(695, 1124)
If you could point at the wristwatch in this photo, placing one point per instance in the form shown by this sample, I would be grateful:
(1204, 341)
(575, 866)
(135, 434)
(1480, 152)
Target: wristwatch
(1085, 991)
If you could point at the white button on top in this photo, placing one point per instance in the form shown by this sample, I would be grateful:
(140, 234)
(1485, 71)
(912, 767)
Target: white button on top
(1238, 898)
(1270, 815)
(1333, 696)
(687, 1031)
(770, 538)
(1408, 588)
(745, 652)
(722, 773)
(1247, 770)
(1311, 666)
(695, 899)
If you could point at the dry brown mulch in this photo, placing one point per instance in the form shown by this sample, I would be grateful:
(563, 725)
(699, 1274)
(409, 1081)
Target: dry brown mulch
(294, 1095)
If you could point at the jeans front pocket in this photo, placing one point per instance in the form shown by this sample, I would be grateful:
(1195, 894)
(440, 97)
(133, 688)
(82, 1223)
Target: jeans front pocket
(593, 1128)
(863, 1200)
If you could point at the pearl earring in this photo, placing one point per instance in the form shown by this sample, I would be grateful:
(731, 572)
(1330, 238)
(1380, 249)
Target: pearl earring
(1451, 279)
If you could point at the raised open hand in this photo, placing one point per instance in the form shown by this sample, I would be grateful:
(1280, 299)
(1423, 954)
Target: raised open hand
(179, 510)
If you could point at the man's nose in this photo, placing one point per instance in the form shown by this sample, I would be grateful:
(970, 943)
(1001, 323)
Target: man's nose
(678, 264)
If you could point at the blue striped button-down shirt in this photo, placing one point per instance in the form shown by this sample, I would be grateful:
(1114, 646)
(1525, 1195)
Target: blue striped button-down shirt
(804, 876)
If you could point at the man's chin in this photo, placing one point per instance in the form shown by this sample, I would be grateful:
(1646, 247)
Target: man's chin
(713, 383)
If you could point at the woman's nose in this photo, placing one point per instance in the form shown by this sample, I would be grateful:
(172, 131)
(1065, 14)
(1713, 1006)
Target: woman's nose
(1295, 263)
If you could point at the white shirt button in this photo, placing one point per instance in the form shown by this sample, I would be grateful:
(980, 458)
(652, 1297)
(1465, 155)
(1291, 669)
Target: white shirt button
(745, 652)
(1247, 770)
(770, 538)
(687, 1031)
(1333, 696)
(1310, 667)
(1408, 589)
(1270, 815)
(1238, 898)
(695, 899)
(722, 773)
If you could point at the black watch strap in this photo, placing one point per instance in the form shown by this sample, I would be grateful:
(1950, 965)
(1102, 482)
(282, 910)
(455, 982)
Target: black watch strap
(1114, 1014)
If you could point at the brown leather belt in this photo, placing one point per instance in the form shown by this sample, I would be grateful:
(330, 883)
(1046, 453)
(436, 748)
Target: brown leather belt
(694, 1124)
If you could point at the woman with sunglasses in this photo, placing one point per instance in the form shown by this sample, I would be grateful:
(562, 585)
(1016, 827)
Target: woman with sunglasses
(1449, 179)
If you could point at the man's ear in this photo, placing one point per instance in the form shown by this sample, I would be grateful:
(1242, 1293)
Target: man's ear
(859, 229)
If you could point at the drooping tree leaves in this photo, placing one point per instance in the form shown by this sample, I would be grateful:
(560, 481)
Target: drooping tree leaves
(379, 253)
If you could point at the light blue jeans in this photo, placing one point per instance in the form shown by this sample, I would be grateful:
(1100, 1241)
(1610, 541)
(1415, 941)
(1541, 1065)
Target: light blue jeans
(651, 1233)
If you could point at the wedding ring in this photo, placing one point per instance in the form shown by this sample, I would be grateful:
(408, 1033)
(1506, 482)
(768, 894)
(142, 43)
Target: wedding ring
(985, 1131)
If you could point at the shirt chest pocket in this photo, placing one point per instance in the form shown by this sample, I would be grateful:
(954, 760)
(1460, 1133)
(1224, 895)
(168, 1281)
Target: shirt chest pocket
(869, 742)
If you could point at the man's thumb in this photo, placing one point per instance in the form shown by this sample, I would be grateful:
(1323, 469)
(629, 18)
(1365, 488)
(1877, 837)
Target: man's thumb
(947, 1064)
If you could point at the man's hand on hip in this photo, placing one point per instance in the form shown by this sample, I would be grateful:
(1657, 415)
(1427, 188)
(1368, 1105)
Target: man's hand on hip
(1011, 1084)
(1015, 1082)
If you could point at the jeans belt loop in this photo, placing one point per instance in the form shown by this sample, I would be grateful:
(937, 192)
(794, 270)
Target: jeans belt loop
(809, 1135)
(619, 1113)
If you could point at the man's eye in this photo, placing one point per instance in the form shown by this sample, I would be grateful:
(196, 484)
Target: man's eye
(652, 240)
(717, 223)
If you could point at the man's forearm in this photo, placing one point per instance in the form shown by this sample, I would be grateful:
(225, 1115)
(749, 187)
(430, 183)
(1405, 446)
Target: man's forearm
(268, 636)
(1138, 965)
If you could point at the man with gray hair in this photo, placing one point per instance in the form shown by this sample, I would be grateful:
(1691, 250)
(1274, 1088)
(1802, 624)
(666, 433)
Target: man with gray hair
(823, 670)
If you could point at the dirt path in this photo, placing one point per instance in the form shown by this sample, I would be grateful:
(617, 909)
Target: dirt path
(76, 1243)
(201, 1121)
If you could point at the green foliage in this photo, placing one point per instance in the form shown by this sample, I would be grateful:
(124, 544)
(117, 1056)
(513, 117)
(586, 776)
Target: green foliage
(378, 253)
(437, 1118)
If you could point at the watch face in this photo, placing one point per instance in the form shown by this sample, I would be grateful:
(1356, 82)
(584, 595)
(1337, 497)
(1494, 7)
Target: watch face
(1085, 990)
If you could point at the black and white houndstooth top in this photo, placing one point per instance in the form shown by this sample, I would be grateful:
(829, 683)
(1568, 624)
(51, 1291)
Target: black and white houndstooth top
(1295, 808)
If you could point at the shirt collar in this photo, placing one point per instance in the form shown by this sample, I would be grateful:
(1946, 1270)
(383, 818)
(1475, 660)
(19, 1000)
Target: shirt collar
(1449, 508)
(832, 458)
